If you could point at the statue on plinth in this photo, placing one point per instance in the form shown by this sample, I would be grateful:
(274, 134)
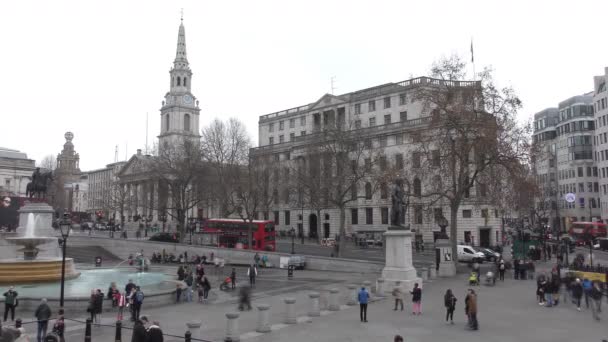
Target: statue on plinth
(398, 205)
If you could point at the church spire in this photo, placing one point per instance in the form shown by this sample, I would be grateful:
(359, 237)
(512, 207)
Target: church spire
(181, 59)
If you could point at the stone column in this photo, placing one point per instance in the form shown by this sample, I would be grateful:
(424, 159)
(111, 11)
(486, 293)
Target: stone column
(352, 294)
(314, 305)
(232, 327)
(398, 264)
(334, 304)
(153, 202)
(290, 311)
(194, 328)
(263, 318)
(380, 287)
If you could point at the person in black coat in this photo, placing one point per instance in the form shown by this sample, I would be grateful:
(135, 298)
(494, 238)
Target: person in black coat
(139, 331)
(155, 333)
(577, 293)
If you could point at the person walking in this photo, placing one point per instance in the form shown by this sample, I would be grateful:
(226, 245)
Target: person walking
(189, 281)
(450, 305)
(206, 287)
(98, 305)
(10, 302)
(577, 293)
(42, 314)
(91, 306)
(138, 300)
(587, 286)
(252, 272)
(398, 295)
(233, 278)
(363, 298)
(471, 309)
(139, 331)
(416, 300)
(121, 302)
(501, 270)
(59, 326)
(596, 296)
(154, 333)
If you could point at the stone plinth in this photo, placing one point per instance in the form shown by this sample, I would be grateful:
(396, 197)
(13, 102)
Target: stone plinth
(398, 264)
(447, 264)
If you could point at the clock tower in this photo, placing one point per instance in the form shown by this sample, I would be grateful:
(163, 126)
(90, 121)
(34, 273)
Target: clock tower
(179, 114)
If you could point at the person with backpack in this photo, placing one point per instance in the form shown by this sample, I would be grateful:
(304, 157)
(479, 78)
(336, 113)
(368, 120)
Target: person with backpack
(416, 300)
(363, 298)
(450, 305)
(138, 300)
(252, 272)
(10, 303)
(398, 295)
(501, 270)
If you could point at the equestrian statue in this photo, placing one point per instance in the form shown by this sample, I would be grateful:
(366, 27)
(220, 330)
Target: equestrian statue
(39, 184)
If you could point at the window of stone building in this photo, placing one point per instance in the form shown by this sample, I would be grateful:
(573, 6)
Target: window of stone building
(371, 106)
(354, 216)
(372, 122)
(303, 121)
(416, 159)
(353, 192)
(387, 119)
(357, 108)
(402, 99)
(167, 122)
(270, 140)
(271, 127)
(399, 161)
(292, 123)
(418, 217)
(466, 213)
(357, 124)
(292, 136)
(399, 139)
(384, 215)
(383, 141)
(387, 102)
(281, 138)
(369, 215)
(383, 191)
(417, 187)
(276, 218)
(281, 125)
(368, 191)
(186, 120)
(287, 217)
(403, 116)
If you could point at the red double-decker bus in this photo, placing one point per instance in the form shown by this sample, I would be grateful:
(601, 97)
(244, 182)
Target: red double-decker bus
(232, 233)
(580, 232)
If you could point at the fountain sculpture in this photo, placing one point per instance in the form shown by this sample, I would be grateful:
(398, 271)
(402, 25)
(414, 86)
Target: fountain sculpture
(38, 236)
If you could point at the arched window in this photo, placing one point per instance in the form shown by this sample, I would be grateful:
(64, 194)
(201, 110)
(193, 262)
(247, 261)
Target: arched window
(368, 191)
(178, 81)
(353, 192)
(187, 122)
(167, 119)
(185, 81)
(417, 187)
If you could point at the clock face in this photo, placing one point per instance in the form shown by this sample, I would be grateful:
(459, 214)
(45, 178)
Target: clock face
(187, 99)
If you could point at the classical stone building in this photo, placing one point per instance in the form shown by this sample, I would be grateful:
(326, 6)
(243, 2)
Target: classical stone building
(388, 119)
(15, 172)
(146, 197)
(66, 176)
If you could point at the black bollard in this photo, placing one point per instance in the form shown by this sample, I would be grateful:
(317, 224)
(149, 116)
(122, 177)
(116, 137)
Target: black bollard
(87, 331)
(118, 331)
(188, 336)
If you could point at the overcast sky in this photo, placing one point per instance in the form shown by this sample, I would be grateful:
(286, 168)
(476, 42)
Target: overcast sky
(95, 68)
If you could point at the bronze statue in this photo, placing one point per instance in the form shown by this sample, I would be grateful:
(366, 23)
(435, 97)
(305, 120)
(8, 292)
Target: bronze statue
(39, 184)
(398, 201)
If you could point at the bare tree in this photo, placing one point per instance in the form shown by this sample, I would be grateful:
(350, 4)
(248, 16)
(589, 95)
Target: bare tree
(49, 162)
(118, 200)
(472, 130)
(180, 170)
(225, 147)
(340, 162)
(251, 191)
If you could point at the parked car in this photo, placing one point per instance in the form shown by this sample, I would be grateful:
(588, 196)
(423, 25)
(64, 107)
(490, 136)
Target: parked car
(298, 261)
(468, 254)
(165, 237)
(489, 254)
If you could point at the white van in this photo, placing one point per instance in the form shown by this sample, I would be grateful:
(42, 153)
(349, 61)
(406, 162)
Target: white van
(468, 254)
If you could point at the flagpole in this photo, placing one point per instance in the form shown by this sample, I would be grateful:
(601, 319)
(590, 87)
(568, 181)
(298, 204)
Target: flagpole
(473, 60)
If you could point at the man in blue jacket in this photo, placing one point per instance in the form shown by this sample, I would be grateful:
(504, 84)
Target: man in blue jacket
(587, 286)
(363, 299)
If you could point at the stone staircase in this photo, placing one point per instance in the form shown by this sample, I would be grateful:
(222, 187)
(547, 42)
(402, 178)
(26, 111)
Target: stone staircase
(87, 255)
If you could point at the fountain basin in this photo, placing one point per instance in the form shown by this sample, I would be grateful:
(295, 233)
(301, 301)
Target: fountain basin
(30, 245)
(16, 271)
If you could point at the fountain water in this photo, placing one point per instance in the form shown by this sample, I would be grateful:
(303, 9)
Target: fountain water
(31, 267)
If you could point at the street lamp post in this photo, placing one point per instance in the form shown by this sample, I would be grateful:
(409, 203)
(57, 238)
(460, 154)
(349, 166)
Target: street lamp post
(64, 226)
(293, 239)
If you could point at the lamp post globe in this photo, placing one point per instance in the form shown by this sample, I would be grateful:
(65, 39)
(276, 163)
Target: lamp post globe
(65, 225)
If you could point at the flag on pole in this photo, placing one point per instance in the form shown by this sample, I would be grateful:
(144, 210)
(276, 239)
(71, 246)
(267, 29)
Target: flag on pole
(472, 56)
